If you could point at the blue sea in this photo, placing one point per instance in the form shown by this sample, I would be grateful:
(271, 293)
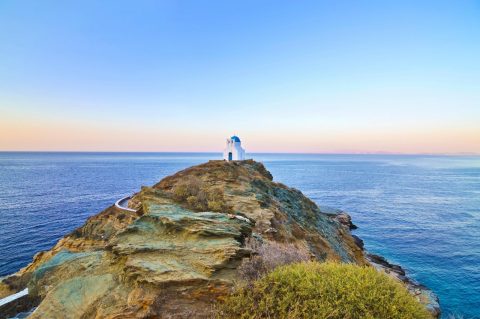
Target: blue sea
(422, 212)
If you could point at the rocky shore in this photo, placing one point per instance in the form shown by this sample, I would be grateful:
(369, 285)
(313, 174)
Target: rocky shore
(177, 250)
(421, 292)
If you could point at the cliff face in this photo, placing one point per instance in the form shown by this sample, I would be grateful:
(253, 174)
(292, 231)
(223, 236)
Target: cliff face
(179, 251)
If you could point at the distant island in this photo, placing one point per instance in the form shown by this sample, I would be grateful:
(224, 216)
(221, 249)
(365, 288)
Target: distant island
(183, 247)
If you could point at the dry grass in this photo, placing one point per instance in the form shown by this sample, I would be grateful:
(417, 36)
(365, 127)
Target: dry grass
(198, 197)
(268, 256)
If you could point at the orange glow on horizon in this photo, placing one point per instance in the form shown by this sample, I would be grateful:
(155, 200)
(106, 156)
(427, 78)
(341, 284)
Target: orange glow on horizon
(44, 135)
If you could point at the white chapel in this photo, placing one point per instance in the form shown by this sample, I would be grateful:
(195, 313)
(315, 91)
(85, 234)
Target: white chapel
(234, 150)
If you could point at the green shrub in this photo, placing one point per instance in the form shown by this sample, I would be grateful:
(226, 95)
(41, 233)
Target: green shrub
(323, 290)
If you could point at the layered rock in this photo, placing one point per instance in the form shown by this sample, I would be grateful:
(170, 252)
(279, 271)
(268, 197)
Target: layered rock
(179, 251)
(280, 213)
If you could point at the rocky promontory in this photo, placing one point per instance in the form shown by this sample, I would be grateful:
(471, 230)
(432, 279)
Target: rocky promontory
(178, 249)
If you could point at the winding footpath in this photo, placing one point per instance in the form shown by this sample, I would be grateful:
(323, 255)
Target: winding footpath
(13, 297)
(122, 203)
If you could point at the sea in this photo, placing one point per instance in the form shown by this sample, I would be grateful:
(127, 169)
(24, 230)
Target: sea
(422, 212)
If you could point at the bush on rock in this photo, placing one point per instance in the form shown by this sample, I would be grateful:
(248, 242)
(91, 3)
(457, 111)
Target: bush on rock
(323, 290)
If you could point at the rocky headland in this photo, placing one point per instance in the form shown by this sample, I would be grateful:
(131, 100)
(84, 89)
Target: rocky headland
(178, 250)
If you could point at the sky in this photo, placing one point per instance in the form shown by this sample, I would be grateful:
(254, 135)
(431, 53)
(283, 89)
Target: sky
(286, 76)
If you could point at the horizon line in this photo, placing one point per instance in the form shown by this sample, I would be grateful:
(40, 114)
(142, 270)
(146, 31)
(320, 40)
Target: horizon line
(266, 152)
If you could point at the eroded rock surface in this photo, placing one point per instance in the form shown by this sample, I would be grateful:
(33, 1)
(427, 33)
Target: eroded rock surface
(178, 252)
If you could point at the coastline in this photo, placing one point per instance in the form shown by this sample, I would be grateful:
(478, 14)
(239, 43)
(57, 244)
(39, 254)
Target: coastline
(424, 294)
(118, 218)
(417, 289)
(25, 304)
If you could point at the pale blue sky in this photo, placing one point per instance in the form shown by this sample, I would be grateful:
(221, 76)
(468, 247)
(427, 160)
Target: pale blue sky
(312, 76)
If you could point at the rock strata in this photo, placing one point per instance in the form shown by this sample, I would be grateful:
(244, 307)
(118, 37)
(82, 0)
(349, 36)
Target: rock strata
(177, 251)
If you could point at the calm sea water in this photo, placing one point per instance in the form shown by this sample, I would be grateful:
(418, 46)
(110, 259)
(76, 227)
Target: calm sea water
(422, 212)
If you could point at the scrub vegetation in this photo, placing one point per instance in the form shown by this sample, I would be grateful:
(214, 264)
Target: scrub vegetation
(191, 193)
(268, 256)
(323, 290)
